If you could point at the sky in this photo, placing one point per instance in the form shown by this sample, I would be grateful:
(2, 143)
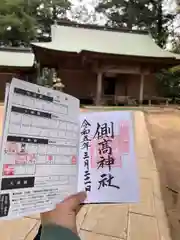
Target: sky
(88, 7)
(170, 5)
(88, 3)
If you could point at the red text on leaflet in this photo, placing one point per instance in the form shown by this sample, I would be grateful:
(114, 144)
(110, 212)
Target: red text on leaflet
(8, 170)
(25, 158)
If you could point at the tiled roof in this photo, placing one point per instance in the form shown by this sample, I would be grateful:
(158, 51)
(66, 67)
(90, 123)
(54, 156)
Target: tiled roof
(16, 57)
(78, 39)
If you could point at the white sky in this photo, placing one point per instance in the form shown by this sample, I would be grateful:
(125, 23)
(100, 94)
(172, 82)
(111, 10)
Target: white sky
(170, 5)
(89, 7)
(87, 2)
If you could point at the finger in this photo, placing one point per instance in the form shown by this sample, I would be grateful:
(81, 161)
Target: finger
(69, 197)
(74, 196)
(78, 208)
(75, 200)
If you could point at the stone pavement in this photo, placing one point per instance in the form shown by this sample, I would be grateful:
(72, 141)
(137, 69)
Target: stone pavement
(143, 221)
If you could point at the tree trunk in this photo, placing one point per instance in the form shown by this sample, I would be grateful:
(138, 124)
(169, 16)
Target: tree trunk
(54, 14)
(129, 12)
(160, 24)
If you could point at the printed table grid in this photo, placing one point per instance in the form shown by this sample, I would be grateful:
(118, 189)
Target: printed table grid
(40, 147)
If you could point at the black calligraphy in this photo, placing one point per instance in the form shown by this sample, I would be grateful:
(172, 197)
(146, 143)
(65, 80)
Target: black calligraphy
(105, 135)
(85, 145)
(106, 181)
(104, 130)
(105, 153)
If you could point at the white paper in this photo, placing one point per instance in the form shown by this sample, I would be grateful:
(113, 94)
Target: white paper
(107, 164)
(5, 111)
(38, 166)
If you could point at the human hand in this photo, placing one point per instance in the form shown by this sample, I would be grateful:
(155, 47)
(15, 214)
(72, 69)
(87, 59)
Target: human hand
(65, 213)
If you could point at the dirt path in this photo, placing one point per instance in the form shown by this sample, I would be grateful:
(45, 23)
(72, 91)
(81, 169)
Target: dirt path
(164, 130)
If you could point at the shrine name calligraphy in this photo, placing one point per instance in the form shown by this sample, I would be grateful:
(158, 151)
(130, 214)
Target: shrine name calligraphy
(105, 135)
(106, 181)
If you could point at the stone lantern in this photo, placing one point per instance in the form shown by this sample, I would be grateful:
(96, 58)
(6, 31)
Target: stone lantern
(57, 83)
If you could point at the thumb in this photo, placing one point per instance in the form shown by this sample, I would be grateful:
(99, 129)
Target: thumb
(75, 200)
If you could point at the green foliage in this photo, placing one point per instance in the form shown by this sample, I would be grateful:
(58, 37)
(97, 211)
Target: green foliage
(138, 14)
(48, 12)
(178, 5)
(125, 13)
(22, 21)
(169, 83)
(16, 24)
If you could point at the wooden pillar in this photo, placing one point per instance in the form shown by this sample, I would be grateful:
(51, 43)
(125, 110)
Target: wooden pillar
(99, 88)
(141, 91)
(38, 69)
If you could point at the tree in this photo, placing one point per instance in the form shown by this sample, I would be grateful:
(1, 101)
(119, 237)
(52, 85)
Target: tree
(22, 21)
(169, 83)
(16, 24)
(49, 12)
(138, 14)
(178, 5)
